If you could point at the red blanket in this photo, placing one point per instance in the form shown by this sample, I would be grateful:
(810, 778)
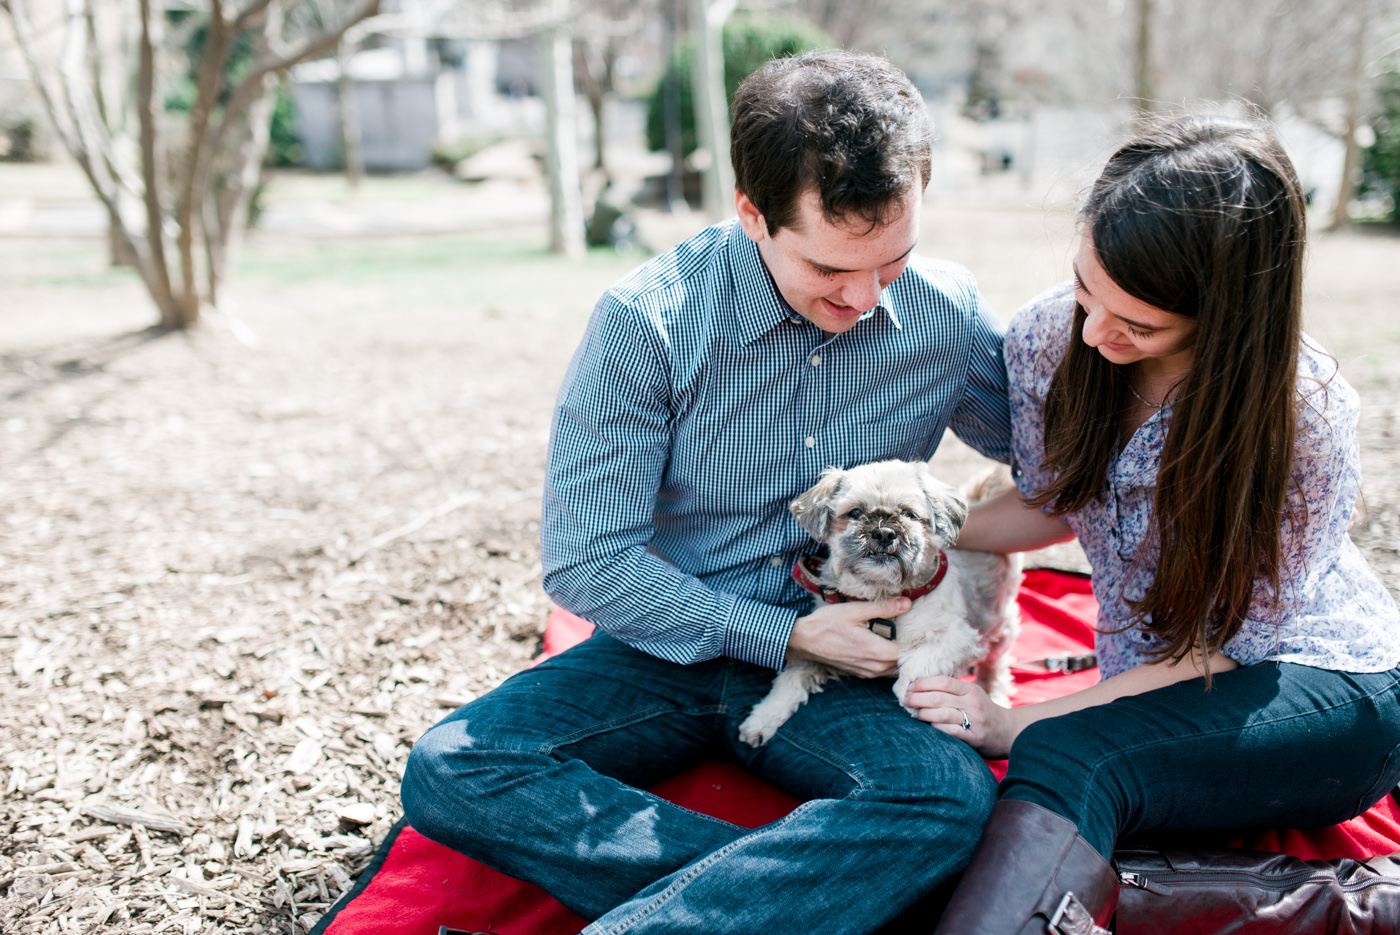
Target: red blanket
(413, 885)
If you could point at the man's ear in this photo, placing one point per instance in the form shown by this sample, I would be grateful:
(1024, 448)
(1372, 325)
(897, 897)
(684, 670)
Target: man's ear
(946, 507)
(750, 218)
(812, 510)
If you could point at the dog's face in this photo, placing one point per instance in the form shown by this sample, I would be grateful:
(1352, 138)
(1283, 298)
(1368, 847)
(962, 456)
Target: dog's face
(884, 524)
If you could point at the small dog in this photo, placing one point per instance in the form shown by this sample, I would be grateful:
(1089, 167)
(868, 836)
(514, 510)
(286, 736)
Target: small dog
(886, 525)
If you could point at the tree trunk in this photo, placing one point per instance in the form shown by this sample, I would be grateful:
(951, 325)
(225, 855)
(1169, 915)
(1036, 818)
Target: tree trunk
(193, 175)
(561, 132)
(349, 116)
(1144, 87)
(671, 116)
(235, 178)
(594, 72)
(119, 252)
(173, 312)
(1346, 190)
(711, 105)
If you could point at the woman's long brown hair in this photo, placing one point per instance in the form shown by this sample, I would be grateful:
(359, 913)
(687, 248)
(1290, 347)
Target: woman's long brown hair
(1204, 217)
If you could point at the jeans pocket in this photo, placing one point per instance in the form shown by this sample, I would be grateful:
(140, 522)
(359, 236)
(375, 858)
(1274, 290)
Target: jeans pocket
(1385, 782)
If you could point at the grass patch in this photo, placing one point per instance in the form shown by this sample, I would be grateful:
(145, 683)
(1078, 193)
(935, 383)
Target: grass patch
(470, 270)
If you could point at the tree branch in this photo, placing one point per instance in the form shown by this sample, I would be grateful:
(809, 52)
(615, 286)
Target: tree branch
(24, 36)
(321, 45)
(245, 16)
(159, 283)
(209, 81)
(251, 85)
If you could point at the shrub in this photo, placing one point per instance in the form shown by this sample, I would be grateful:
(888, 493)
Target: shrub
(749, 41)
(1380, 162)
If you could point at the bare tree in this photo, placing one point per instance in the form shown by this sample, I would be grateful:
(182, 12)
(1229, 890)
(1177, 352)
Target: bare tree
(198, 181)
(849, 22)
(349, 114)
(347, 106)
(1352, 119)
(599, 29)
(561, 129)
(711, 104)
(1144, 85)
(594, 64)
(553, 24)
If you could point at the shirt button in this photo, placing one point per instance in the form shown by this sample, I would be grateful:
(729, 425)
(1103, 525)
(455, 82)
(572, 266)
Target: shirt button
(816, 360)
(810, 442)
(775, 561)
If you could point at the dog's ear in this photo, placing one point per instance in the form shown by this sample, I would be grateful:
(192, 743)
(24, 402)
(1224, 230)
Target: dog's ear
(812, 510)
(947, 508)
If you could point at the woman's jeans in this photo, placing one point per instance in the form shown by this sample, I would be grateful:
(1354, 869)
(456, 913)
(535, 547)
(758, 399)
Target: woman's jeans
(542, 779)
(1273, 745)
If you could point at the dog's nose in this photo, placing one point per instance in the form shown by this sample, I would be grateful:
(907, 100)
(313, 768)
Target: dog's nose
(883, 538)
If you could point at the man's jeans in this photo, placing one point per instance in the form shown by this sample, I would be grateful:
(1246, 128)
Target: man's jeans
(1273, 745)
(541, 779)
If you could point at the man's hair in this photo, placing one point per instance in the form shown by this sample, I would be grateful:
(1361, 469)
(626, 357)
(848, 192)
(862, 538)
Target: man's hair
(850, 127)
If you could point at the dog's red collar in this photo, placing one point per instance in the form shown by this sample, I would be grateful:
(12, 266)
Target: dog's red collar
(808, 568)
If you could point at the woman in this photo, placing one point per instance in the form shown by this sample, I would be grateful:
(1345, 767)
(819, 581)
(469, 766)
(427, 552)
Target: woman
(1168, 412)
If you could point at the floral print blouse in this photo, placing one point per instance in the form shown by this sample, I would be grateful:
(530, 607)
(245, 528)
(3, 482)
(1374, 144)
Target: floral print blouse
(1334, 613)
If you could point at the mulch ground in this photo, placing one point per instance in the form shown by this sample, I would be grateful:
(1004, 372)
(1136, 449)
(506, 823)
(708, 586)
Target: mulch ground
(237, 581)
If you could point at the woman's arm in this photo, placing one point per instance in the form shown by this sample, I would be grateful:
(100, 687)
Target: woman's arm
(941, 701)
(1006, 523)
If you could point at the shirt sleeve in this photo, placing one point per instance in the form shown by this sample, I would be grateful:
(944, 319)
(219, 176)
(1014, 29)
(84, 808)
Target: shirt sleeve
(1035, 344)
(1326, 483)
(608, 451)
(983, 416)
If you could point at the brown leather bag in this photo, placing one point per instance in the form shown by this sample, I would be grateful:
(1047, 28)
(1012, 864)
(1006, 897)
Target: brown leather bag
(1219, 891)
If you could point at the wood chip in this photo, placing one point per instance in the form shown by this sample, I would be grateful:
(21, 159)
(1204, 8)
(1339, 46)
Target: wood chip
(50, 869)
(304, 757)
(88, 834)
(121, 815)
(199, 889)
(369, 712)
(356, 813)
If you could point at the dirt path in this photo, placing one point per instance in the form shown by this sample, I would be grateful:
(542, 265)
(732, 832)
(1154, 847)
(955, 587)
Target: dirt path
(236, 582)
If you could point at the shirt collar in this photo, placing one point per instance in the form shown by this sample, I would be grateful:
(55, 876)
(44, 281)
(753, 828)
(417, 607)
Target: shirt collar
(761, 307)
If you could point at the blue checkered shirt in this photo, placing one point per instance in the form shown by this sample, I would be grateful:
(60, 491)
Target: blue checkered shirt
(698, 405)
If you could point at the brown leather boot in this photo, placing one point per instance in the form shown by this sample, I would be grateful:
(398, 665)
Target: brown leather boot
(1032, 874)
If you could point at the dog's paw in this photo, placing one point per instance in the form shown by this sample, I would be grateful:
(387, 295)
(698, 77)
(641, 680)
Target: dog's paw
(757, 730)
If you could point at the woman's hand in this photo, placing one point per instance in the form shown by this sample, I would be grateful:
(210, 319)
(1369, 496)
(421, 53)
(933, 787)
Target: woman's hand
(992, 729)
(943, 701)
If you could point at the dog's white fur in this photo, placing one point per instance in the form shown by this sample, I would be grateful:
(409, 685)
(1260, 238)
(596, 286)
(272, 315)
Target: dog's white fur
(970, 618)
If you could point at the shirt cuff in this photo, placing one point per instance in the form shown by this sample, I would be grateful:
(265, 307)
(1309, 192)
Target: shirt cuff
(758, 633)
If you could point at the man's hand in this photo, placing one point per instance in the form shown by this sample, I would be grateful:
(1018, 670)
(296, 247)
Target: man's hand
(837, 635)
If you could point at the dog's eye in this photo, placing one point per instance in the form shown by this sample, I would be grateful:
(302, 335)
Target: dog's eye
(909, 514)
(857, 513)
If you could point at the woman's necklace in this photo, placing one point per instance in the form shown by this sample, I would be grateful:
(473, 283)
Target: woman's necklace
(1143, 401)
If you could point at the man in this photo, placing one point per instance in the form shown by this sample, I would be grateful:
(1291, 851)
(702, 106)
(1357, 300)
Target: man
(713, 385)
